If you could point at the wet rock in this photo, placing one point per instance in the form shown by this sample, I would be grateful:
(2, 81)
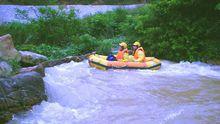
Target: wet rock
(30, 58)
(38, 68)
(20, 93)
(61, 61)
(214, 62)
(5, 69)
(7, 50)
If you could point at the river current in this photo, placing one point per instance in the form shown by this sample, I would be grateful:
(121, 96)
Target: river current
(178, 93)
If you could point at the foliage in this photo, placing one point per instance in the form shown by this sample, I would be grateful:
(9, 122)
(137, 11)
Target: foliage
(176, 29)
(217, 7)
(106, 46)
(55, 27)
(86, 43)
(52, 52)
(168, 29)
(105, 25)
(15, 66)
(21, 33)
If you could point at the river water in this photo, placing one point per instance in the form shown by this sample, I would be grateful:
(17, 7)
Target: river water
(178, 93)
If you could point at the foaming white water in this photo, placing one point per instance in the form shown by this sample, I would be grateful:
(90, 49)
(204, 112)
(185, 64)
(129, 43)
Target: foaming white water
(185, 69)
(65, 103)
(54, 113)
(83, 95)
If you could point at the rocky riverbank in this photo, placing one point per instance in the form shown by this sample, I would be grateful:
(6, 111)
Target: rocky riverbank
(21, 91)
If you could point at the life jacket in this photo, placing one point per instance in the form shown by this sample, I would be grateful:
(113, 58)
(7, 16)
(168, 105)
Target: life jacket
(135, 54)
(120, 54)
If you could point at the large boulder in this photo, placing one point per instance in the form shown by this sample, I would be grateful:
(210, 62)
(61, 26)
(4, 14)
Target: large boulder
(20, 93)
(5, 69)
(30, 58)
(7, 50)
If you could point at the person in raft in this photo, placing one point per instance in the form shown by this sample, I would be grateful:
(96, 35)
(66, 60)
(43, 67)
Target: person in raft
(122, 54)
(138, 54)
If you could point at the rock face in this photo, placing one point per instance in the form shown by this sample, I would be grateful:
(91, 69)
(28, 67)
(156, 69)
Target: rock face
(61, 61)
(38, 68)
(26, 89)
(5, 69)
(7, 50)
(30, 58)
(20, 93)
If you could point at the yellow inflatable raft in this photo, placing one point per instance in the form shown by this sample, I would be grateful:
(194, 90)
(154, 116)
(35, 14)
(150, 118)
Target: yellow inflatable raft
(100, 62)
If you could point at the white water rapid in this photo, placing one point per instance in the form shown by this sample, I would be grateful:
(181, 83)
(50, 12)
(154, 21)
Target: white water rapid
(178, 93)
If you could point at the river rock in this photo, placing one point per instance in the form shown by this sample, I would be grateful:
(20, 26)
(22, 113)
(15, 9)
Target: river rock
(40, 67)
(7, 50)
(64, 60)
(20, 93)
(214, 62)
(5, 69)
(30, 58)
(37, 68)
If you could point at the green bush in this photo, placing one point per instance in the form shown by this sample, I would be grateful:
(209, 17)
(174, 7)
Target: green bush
(86, 44)
(100, 25)
(105, 26)
(106, 46)
(21, 33)
(52, 52)
(15, 66)
(55, 27)
(176, 30)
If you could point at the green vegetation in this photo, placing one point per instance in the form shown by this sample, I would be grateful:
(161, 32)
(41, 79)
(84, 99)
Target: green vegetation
(57, 33)
(55, 2)
(15, 66)
(177, 29)
(168, 29)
